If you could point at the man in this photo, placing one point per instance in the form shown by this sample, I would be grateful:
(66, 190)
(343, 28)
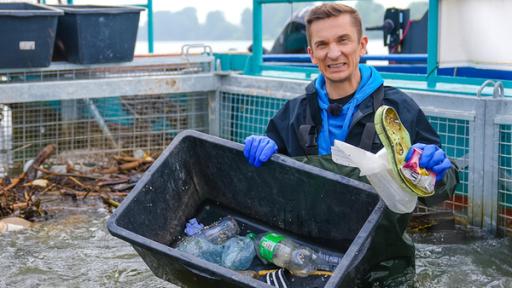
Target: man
(340, 104)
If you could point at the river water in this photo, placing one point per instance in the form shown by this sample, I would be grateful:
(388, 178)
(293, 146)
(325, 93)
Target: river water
(74, 249)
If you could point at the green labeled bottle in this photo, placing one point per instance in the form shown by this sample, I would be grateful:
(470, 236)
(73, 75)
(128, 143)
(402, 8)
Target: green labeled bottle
(275, 248)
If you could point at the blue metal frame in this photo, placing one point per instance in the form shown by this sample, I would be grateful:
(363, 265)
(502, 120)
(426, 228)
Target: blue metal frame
(257, 37)
(409, 64)
(304, 58)
(432, 45)
(432, 76)
(151, 40)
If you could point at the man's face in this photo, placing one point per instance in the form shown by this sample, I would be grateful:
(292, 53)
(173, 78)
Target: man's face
(336, 48)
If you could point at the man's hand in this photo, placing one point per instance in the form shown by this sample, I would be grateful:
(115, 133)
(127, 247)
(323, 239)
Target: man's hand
(432, 158)
(259, 149)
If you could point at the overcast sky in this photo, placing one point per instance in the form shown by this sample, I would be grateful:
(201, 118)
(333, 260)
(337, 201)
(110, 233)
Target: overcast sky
(231, 8)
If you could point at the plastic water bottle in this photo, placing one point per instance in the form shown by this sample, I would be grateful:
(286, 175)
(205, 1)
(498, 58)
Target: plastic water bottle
(208, 243)
(220, 231)
(277, 249)
(327, 261)
(238, 253)
(201, 248)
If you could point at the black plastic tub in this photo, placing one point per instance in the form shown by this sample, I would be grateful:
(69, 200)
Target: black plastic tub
(27, 34)
(203, 176)
(90, 34)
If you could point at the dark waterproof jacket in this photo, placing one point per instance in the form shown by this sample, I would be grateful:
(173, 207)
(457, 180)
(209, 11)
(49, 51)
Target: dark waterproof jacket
(285, 127)
(295, 128)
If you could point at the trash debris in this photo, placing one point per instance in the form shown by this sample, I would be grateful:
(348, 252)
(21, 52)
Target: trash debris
(193, 227)
(202, 248)
(13, 224)
(238, 253)
(220, 231)
(218, 243)
(59, 169)
(109, 180)
(283, 252)
(417, 175)
(397, 142)
(43, 183)
(376, 168)
(139, 154)
(328, 261)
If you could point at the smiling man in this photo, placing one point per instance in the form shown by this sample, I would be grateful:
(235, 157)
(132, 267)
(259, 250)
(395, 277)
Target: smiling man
(340, 105)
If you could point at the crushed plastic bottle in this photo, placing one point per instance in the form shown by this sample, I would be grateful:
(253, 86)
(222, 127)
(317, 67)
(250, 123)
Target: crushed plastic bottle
(201, 248)
(207, 243)
(238, 253)
(220, 231)
(275, 248)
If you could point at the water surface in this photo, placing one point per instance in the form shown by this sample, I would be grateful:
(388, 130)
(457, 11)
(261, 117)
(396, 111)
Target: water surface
(74, 249)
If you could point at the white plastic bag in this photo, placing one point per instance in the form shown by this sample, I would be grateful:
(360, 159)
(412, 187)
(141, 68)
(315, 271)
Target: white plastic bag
(375, 167)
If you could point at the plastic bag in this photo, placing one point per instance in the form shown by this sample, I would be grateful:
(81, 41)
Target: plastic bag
(375, 167)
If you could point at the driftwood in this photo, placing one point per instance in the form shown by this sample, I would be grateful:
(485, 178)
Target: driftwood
(108, 200)
(31, 172)
(41, 157)
(80, 194)
(106, 182)
(17, 206)
(15, 182)
(26, 196)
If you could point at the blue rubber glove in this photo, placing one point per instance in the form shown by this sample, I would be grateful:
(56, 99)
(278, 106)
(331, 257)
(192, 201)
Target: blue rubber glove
(259, 149)
(432, 158)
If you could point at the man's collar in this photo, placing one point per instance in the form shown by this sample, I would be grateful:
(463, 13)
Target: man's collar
(311, 89)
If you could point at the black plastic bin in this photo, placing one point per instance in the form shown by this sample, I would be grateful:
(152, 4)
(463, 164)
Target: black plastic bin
(203, 176)
(89, 34)
(27, 35)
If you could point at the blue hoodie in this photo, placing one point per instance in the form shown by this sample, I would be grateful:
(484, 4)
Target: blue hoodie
(336, 127)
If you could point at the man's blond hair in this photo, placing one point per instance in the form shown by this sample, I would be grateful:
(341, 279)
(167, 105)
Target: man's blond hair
(328, 10)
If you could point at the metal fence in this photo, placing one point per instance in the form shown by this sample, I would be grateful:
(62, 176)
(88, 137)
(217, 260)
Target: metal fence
(100, 109)
(104, 125)
(454, 135)
(242, 115)
(466, 125)
(505, 178)
(121, 113)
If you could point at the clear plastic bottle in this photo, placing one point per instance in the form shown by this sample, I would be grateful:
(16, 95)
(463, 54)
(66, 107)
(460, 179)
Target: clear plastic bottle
(208, 242)
(277, 249)
(220, 231)
(238, 253)
(327, 261)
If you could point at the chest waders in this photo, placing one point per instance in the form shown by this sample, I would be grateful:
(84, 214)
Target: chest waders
(390, 257)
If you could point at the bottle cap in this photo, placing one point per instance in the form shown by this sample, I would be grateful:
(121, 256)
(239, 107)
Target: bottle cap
(251, 235)
(193, 227)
